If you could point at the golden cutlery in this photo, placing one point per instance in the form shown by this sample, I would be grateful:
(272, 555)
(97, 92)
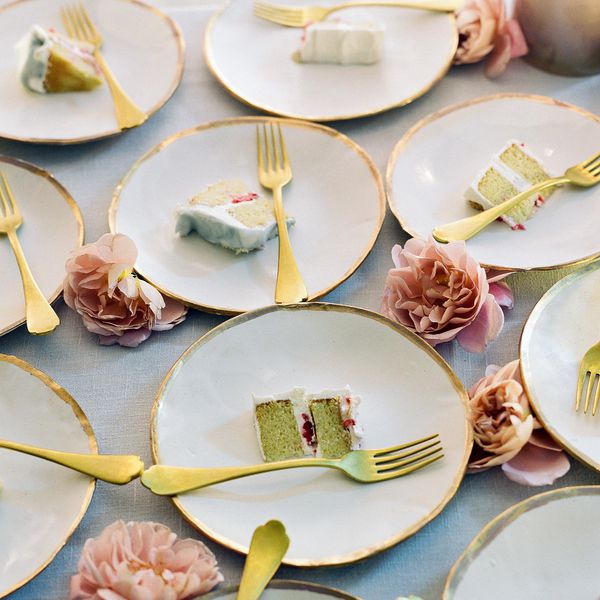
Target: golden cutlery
(366, 466)
(79, 26)
(113, 468)
(300, 17)
(585, 174)
(267, 549)
(41, 318)
(590, 367)
(274, 172)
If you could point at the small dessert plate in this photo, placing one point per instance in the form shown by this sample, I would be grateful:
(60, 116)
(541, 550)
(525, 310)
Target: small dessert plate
(252, 59)
(426, 179)
(283, 589)
(203, 416)
(143, 47)
(41, 503)
(52, 228)
(559, 331)
(336, 196)
(539, 549)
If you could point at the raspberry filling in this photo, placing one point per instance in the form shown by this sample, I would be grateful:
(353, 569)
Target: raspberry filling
(244, 198)
(308, 430)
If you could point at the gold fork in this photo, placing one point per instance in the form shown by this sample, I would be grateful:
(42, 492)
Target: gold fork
(366, 466)
(41, 318)
(300, 17)
(590, 367)
(274, 172)
(113, 468)
(585, 174)
(79, 26)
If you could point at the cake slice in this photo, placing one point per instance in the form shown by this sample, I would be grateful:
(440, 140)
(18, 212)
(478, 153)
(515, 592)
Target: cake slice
(49, 63)
(513, 170)
(342, 43)
(227, 213)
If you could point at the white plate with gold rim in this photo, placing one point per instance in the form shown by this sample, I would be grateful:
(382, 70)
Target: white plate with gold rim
(252, 59)
(52, 228)
(282, 589)
(143, 46)
(336, 196)
(426, 179)
(559, 331)
(542, 548)
(41, 503)
(203, 416)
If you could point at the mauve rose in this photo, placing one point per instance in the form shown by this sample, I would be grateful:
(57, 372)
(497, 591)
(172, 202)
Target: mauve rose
(441, 293)
(143, 561)
(484, 31)
(110, 299)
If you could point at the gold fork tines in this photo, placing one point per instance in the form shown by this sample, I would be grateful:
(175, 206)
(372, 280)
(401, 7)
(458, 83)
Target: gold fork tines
(589, 380)
(41, 318)
(80, 26)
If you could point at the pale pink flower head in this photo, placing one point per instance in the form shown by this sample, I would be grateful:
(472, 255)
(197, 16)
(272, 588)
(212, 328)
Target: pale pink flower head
(143, 561)
(484, 30)
(441, 293)
(111, 300)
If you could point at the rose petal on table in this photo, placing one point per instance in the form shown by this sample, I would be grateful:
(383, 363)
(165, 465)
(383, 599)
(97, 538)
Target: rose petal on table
(535, 466)
(484, 329)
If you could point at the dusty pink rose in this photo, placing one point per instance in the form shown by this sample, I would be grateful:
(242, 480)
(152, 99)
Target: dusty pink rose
(110, 299)
(506, 433)
(484, 31)
(441, 293)
(143, 561)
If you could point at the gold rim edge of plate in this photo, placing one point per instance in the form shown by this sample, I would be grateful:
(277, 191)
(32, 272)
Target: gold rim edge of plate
(432, 117)
(341, 308)
(92, 442)
(524, 343)
(17, 162)
(180, 42)
(333, 133)
(209, 60)
(287, 584)
(496, 525)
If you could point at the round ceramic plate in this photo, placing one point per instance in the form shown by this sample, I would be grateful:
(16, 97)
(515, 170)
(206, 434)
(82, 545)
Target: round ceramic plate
(336, 196)
(52, 228)
(252, 59)
(542, 548)
(203, 416)
(138, 40)
(559, 331)
(286, 590)
(41, 503)
(427, 179)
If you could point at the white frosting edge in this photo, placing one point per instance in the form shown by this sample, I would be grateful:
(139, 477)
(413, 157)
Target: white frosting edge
(40, 57)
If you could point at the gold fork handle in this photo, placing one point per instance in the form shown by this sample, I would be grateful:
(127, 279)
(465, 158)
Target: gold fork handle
(467, 228)
(289, 287)
(119, 469)
(432, 5)
(127, 112)
(164, 480)
(41, 318)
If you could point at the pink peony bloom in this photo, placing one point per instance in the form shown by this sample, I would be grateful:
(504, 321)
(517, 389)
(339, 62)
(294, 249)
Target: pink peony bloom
(441, 293)
(110, 299)
(143, 561)
(484, 31)
(507, 434)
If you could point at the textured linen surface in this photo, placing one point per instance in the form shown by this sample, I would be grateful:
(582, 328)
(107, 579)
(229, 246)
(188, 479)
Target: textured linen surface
(116, 386)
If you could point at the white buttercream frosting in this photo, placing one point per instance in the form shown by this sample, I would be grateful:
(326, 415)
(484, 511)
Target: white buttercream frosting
(33, 53)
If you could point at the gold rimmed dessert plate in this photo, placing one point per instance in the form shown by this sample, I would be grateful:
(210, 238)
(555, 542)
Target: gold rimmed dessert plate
(52, 228)
(252, 59)
(434, 163)
(283, 589)
(143, 46)
(203, 416)
(336, 196)
(41, 503)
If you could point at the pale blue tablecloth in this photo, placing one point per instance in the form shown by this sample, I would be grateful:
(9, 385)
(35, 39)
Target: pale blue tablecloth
(116, 386)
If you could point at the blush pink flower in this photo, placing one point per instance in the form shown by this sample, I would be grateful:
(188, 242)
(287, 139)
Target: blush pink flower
(441, 293)
(111, 300)
(506, 433)
(484, 31)
(143, 561)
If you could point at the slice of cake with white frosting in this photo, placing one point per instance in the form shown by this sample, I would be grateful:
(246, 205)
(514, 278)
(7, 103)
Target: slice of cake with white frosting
(227, 213)
(512, 171)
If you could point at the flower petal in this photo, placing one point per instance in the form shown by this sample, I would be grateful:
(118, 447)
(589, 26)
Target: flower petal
(484, 329)
(535, 466)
